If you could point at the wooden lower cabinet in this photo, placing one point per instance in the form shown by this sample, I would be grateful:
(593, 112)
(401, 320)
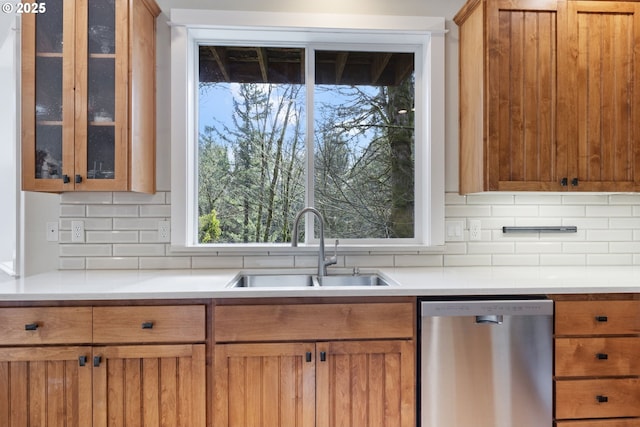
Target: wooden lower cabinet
(598, 398)
(324, 384)
(68, 366)
(597, 370)
(365, 383)
(45, 386)
(270, 384)
(149, 385)
(599, 423)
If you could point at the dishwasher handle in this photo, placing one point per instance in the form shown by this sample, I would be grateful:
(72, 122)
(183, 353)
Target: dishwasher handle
(490, 319)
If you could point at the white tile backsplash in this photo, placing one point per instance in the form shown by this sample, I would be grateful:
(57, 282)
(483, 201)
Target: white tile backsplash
(121, 233)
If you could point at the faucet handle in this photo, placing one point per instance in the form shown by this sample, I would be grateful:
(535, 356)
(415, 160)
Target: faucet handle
(334, 259)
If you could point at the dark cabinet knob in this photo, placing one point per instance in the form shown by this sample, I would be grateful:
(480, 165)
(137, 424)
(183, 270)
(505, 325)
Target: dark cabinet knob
(602, 399)
(308, 356)
(147, 325)
(78, 179)
(564, 182)
(82, 360)
(323, 356)
(97, 360)
(574, 182)
(66, 179)
(602, 356)
(31, 327)
(601, 319)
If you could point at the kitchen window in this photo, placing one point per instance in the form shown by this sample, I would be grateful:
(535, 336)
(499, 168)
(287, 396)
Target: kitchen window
(342, 113)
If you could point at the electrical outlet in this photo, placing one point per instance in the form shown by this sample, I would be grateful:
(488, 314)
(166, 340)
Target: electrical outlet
(475, 229)
(164, 231)
(77, 231)
(52, 231)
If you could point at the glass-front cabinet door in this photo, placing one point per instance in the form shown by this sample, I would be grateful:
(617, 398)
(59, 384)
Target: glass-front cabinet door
(75, 96)
(48, 97)
(101, 94)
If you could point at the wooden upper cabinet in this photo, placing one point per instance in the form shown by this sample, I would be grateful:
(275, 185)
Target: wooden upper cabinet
(508, 95)
(548, 95)
(88, 96)
(603, 94)
(522, 95)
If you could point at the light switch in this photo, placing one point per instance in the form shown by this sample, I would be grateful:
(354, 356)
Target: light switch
(454, 230)
(52, 231)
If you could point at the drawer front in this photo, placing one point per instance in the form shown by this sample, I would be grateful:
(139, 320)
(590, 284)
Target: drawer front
(158, 324)
(45, 325)
(597, 317)
(607, 423)
(597, 357)
(294, 322)
(607, 398)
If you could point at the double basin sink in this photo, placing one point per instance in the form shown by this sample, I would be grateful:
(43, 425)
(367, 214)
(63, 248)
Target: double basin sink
(297, 280)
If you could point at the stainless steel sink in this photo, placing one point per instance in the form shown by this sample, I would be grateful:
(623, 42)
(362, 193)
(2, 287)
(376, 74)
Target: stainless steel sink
(351, 280)
(272, 281)
(306, 280)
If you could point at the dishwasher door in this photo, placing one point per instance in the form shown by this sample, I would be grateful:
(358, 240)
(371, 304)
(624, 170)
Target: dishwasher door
(486, 363)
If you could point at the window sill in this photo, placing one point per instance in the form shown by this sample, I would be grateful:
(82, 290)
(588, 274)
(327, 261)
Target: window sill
(286, 249)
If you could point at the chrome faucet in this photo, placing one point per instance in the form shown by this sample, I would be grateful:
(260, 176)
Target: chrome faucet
(322, 261)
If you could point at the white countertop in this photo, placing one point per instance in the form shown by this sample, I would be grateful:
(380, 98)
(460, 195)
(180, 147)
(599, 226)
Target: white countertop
(184, 284)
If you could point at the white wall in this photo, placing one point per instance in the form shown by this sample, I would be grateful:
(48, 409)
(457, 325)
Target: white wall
(29, 210)
(8, 170)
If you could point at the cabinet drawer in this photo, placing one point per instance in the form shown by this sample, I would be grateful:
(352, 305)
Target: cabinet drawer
(294, 322)
(149, 324)
(607, 423)
(597, 317)
(45, 325)
(606, 398)
(597, 357)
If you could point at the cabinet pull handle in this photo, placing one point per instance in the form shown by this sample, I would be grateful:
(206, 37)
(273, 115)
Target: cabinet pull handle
(602, 356)
(308, 356)
(66, 179)
(602, 399)
(147, 325)
(78, 179)
(564, 182)
(97, 360)
(31, 327)
(601, 319)
(82, 360)
(574, 182)
(323, 356)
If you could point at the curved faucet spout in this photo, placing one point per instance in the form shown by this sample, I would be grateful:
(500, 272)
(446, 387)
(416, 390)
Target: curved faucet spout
(322, 262)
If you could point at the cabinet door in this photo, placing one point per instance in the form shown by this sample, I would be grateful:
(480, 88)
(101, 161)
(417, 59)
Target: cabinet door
(259, 385)
(603, 42)
(47, 95)
(101, 95)
(366, 383)
(45, 386)
(149, 386)
(522, 145)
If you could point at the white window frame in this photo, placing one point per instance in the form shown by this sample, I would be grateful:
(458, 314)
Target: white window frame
(422, 35)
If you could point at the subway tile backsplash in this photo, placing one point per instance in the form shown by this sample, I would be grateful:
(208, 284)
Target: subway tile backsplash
(121, 233)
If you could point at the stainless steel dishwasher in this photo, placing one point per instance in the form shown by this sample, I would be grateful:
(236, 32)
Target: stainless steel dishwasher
(486, 363)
